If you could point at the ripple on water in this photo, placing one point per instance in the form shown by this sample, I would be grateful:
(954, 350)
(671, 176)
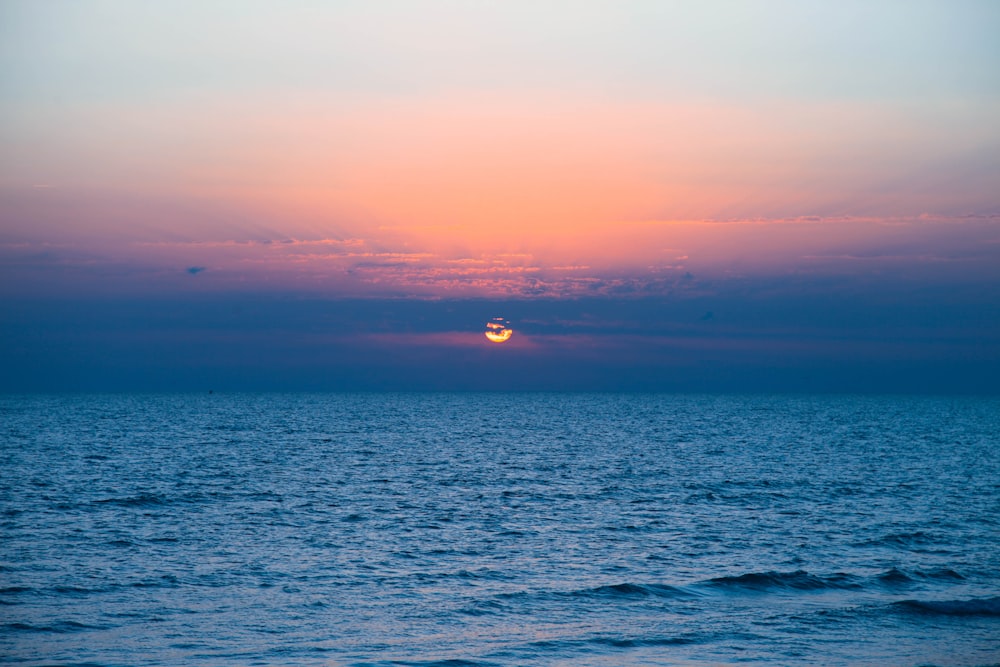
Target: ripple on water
(534, 530)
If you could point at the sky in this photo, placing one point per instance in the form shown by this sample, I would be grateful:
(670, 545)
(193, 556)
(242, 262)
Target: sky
(715, 196)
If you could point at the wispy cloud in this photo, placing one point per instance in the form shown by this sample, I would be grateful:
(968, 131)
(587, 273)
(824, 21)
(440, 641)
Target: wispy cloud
(640, 259)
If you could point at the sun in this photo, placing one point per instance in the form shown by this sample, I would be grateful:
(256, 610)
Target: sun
(498, 330)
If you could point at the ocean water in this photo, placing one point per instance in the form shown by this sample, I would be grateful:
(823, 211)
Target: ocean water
(499, 529)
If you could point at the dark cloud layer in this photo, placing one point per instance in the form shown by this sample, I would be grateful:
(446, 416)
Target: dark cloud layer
(766, 336)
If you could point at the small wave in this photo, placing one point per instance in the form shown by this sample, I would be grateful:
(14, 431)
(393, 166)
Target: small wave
(629, 590)
(894, 576)
(142, 500)
(13, 591)
(612, 641)
(901, 540)
(451, 662)
(165, 581)
(512, 533)
(121, 543)
(639, 642)
(944, 573)
(623, 591)
(266, 495)
(484, 608)
(798, 580)
(897, 577)
(75, 591)
(61, 627)
(973, 607)
(483, 573)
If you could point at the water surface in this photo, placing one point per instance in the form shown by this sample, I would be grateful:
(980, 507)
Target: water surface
(499, 529)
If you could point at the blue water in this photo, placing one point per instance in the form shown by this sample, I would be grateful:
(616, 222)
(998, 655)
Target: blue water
(499, 529)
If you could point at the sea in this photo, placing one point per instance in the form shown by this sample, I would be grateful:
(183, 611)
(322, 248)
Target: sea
(485, 529)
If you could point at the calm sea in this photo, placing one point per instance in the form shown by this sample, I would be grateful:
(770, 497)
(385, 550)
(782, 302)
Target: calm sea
(499, 529)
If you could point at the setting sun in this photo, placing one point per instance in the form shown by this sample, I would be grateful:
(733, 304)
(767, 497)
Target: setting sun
(498, 330)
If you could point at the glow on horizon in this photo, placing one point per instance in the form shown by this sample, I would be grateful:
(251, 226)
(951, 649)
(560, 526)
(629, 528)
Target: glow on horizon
(460, 150)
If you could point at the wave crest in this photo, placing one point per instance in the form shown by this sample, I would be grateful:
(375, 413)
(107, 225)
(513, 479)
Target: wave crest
(973, 607)
(798, 580)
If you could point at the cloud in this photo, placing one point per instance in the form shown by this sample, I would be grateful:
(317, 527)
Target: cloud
(814, 335)
(195, 270)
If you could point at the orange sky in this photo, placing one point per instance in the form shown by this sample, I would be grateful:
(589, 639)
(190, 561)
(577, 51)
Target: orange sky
(480, 154)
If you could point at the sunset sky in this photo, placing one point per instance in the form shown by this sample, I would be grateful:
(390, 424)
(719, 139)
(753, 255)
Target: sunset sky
(711, 196)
